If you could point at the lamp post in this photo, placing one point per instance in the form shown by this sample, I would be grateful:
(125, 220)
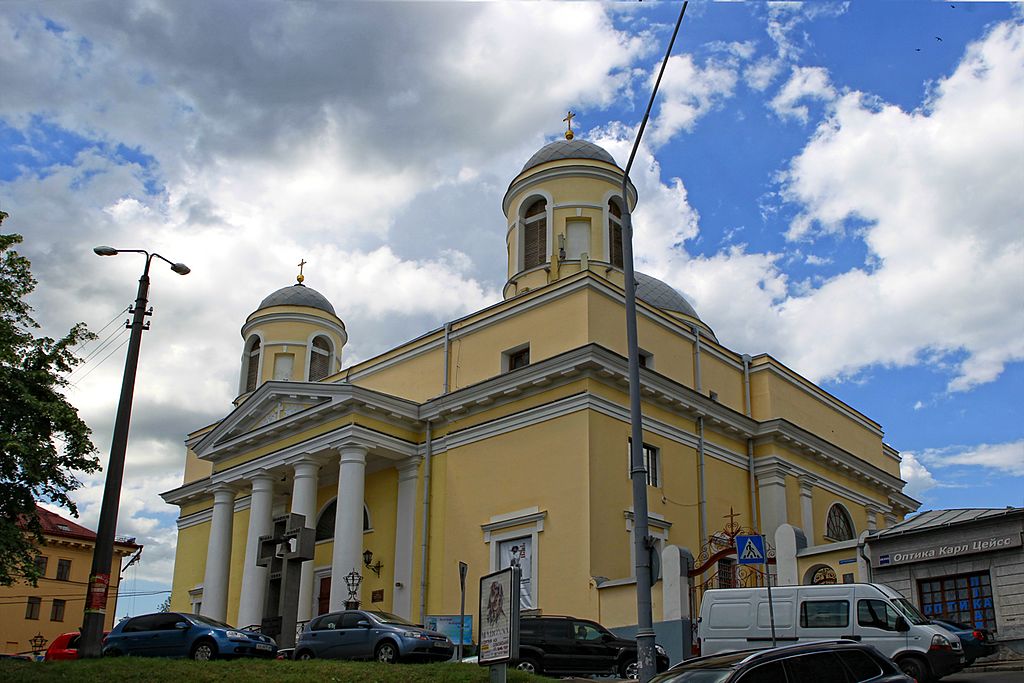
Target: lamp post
(103, 553)
(38, 642)
(352, 580)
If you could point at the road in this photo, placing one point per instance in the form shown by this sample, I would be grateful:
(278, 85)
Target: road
(986, 677)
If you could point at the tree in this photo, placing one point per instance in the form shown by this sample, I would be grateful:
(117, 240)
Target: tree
(43, 441)
(165, 606)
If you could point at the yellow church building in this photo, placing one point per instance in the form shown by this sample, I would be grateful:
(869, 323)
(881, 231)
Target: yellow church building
(503, 435)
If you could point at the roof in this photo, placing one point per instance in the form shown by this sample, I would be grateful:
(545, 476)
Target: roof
(55, 525)
(568, 149)
(661, 295)
(937, 519)
(298, 295)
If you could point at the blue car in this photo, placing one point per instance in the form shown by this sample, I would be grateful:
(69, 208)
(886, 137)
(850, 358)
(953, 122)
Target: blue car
(977, 642)
(370, 634)
(173, 634)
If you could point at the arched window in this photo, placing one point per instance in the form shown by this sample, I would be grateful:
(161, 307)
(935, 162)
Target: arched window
(252, 368)
(823, 576)
(325, 525)
(838, 525)
(319, 359)
(614, 233)
(535, 234)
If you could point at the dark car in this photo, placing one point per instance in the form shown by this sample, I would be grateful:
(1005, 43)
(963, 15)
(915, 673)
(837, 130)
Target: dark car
(578, 647)
(843, 661)
(370, 634)
(175, 634)
(977, 642)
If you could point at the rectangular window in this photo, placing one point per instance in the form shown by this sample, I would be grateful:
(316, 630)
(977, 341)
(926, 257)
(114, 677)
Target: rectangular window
(646, 359)
(578, 238)
(518, 552)
(727, 573)
(515, 359)
(964, 598)
(32, 608)
(57, 611)
(63, 570)
(652, 463)
(848, 578)
(41, 562)
(876, 614)
(825, 614)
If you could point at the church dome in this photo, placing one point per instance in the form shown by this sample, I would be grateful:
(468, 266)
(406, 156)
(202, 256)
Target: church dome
(568, 149)
(662, 295)
(298, 295)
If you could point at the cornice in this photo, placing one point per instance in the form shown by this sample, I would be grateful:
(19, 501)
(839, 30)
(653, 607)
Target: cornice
(606, 172)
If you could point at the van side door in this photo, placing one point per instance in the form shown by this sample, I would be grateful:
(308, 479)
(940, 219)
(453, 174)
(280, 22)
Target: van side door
(876, 625)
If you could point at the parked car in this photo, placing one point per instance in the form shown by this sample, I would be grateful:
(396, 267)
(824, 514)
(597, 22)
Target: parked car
(64, 646)
(175, 634)
(977, 642)
(737, 619)
(370, 634)
(841, 661)
(577, 647)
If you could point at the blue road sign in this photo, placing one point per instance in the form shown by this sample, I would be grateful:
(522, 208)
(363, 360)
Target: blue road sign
(750, 549)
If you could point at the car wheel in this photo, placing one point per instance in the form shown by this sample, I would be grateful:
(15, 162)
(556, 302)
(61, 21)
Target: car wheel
(305, 655)
(386, 652)
(914, 667)
(204, 651)
(529, 666)
(630, 669)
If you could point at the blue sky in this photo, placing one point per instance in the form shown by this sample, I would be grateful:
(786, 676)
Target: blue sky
(837, 184)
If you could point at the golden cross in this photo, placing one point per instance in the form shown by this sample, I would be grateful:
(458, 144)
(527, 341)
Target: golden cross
(300, 278)
(731, 517)
(568, 120)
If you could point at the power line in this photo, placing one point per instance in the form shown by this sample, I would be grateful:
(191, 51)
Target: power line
(109, 323)
(75, 384)
(99, 347)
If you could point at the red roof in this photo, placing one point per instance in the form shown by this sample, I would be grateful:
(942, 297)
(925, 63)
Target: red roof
(54, 525)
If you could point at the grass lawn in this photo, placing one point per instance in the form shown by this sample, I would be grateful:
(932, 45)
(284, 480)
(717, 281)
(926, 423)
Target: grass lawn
(153, 670)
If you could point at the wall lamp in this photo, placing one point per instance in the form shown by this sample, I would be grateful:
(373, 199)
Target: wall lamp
(368, 559)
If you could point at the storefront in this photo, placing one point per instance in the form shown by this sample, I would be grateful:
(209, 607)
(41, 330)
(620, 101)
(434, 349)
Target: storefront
(959, 565)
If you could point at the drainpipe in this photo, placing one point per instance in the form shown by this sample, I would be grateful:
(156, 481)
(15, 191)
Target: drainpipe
(701, 497)
(426, 524)
(754, 521)
(447, 354)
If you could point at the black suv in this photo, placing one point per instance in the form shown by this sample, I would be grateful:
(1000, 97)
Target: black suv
(840, 661)
(568, 646)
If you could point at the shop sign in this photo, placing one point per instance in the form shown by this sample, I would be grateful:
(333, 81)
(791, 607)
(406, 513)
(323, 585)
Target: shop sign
(938, 552)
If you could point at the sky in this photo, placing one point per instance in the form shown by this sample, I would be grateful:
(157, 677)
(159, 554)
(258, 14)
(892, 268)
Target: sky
(836, 184)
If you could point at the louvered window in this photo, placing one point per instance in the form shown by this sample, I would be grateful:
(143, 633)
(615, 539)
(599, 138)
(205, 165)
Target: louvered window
(253, 365)
(535, 227)
(319, 360)
(615, 233)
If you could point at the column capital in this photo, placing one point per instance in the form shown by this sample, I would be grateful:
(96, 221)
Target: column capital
(262, 480)
(223, 493)
(305, 466)
(807, 483)
(409, 468)
(351, 451)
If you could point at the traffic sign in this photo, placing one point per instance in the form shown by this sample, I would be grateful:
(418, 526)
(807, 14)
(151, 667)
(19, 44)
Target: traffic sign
(750, 549)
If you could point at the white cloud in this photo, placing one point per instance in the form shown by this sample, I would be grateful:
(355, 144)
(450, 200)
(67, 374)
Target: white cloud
(1003, 458)
(917, 476)
(805, 83)
(689, 92)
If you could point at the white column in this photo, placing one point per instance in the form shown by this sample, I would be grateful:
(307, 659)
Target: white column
(218, 554)
(771, 490)
(405, 515)
(872, 517)
(807, 508)
(254, 578)
(304, 503)
(348, 524)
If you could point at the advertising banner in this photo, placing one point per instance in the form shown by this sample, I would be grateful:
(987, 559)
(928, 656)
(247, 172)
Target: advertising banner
(499, 617)
(96, 598)
(449, 625)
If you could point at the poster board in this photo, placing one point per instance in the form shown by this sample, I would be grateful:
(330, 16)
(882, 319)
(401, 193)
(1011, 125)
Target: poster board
(498, 636)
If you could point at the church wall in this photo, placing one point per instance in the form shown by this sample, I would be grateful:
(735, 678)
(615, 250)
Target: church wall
(725, 379)
(189, 564)
(417, 378)
(380, 496)
(728, 490)
(290, 336)
(823, 500)
(239, 531)
(195, 468)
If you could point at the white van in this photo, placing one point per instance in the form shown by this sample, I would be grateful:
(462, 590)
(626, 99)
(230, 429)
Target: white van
(737, 619)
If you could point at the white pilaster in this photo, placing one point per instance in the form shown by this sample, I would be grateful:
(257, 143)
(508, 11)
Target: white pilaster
(254, 578)
(304, 503)
(348, 524)
(807, 508)
(408, 475)
(872, 517)
(771, 490)
(218, 554)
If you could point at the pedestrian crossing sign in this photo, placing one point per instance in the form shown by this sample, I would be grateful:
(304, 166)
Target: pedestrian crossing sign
(750, 549)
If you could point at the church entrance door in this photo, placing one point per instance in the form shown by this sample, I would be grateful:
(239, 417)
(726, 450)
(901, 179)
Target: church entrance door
(323, 603)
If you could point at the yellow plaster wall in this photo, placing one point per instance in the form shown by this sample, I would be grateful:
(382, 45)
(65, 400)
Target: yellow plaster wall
(239, 532)
(723, 378)
(822, 500)
(831, 559)
(418, 378)
(195, 468)
(189, 564)
(290, 336)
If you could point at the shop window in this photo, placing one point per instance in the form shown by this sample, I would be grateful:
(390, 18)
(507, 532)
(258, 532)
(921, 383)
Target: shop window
(963, 598)
(32, 608)
(57, 611)
(839, 524)
(825, 614)
(63, 570)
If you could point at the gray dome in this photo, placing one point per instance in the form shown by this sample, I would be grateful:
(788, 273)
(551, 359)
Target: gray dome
(298, 295)
(568, 149)
(661, 295)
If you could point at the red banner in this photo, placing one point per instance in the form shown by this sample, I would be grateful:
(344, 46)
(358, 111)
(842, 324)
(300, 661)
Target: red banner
(96, 598)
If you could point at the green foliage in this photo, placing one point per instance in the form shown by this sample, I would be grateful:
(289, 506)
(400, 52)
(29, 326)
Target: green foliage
(165, 606)
(153, 670)
(43, 442)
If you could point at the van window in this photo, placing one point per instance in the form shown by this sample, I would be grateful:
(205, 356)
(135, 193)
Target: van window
(730, 615)
(824, 614)
(876, 614)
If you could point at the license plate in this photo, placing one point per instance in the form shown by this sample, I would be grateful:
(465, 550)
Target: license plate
(264, 646)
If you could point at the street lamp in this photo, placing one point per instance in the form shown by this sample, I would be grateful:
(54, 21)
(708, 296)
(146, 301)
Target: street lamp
(103, 553)
(352, 580)
(38, 642)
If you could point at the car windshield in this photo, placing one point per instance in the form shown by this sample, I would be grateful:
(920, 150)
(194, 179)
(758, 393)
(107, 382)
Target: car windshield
(388, 618)
(694, 676)
(207, 621)
(907, 609)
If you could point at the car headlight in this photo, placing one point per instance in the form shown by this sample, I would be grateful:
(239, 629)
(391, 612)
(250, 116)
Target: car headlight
(236, 635)
(660, 650)
(415, 634)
